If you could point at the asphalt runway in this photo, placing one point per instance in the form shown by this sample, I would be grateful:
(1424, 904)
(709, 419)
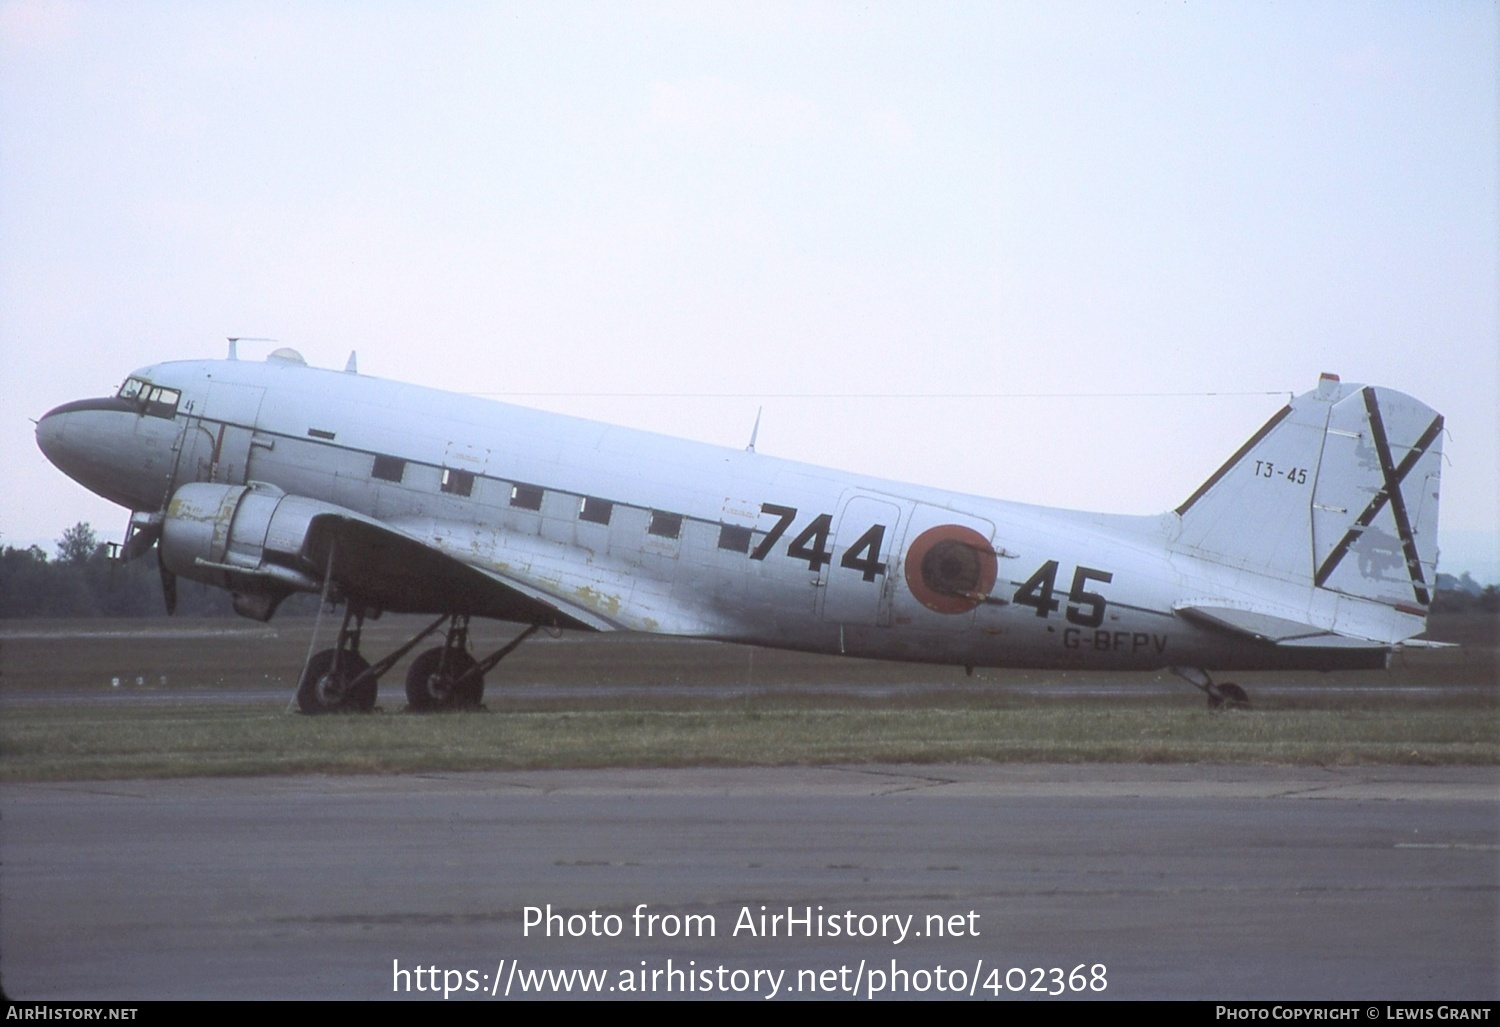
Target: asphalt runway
(1149, 881)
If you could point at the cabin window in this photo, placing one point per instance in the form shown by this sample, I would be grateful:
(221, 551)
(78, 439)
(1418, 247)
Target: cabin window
(595, 511)
(526, 497)
(458, 483)
(733, 537)
(667, 525)
(388, 468)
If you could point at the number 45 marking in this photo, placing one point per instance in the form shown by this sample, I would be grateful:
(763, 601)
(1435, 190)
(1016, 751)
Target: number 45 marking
(1084, 608)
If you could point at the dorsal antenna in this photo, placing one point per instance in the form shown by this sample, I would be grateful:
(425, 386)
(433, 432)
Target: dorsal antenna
(235, 340)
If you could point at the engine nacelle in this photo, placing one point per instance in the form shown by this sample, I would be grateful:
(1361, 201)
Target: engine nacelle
(248, 539)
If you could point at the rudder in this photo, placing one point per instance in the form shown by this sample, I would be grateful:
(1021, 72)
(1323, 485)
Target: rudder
(1375, 508)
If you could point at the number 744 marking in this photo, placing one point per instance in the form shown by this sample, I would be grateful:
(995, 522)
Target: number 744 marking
(812, 543)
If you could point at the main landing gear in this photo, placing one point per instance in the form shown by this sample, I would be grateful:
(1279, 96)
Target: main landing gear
(447, 677)
(1226, 696)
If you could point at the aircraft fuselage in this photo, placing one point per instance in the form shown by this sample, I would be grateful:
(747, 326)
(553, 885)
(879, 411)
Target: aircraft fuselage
(629, 530)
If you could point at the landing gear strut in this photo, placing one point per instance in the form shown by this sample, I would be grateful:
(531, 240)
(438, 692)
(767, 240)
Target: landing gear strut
(448, 678)
(444, 678)
(340, 680)
(1226, 696)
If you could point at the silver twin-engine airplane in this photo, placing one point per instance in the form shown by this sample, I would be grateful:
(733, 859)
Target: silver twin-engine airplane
(1313, 547)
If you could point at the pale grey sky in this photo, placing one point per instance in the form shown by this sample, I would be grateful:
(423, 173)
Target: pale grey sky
(971, 218)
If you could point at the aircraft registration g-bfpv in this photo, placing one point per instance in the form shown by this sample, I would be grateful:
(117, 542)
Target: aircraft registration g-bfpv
(1313, 547)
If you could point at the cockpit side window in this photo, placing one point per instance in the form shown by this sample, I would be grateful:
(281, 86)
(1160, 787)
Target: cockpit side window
(162, 402)
(153, 400)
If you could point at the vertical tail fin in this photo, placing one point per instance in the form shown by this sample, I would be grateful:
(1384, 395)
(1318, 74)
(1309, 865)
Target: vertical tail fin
(1339, 490)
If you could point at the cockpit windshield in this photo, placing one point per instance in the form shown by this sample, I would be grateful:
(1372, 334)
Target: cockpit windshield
(153, 400)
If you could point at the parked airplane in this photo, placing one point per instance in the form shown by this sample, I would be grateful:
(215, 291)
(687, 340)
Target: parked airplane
(1313, 547)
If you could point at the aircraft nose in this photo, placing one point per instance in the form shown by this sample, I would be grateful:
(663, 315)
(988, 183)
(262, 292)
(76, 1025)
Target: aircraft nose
(101, 444)
(50, 432)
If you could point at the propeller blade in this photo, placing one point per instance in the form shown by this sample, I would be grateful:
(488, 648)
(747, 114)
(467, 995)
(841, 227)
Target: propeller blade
(168, 587)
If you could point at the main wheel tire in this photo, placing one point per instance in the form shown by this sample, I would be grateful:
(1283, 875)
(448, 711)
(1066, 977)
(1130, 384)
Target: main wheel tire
(432, 682)
(326, 684)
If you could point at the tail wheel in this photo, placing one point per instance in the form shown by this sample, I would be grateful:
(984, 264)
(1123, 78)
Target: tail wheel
(1230, 697)
(328, 684)
(433, 684)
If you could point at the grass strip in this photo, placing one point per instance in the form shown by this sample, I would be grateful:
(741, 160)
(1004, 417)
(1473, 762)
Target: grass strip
(191, 741)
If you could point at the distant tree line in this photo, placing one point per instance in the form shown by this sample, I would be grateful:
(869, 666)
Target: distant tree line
(82, 581)
(1464, 595)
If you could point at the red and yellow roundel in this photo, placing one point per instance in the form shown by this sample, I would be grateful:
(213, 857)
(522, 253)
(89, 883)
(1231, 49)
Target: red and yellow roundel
(950, 568)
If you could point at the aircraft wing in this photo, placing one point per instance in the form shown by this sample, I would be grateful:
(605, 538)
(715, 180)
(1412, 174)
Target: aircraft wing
(384, 568)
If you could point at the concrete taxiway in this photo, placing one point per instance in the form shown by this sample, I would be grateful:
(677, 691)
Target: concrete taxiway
(1179, 881)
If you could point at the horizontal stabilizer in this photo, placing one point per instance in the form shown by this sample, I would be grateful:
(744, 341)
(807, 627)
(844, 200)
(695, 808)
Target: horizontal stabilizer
(1271, 628)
